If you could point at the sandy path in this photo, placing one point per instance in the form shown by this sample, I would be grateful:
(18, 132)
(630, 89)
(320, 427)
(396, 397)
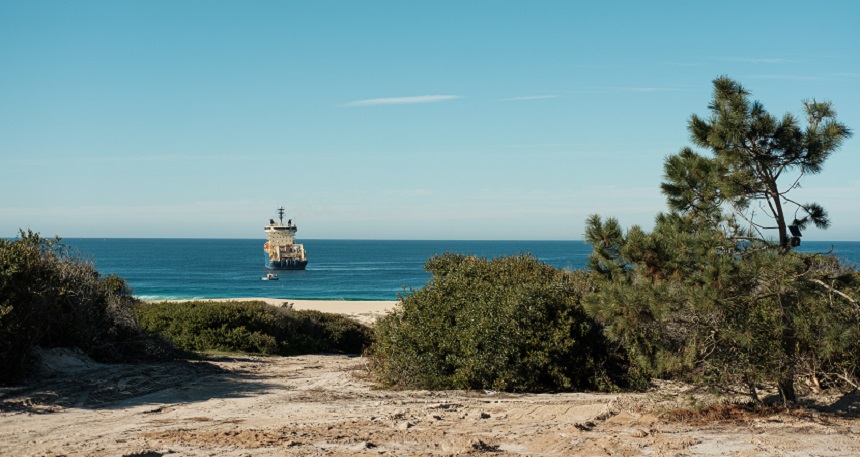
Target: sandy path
(325, 405)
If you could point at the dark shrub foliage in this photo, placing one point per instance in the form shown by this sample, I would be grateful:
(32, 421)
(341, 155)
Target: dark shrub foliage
(51, 298)
(253, 327)
(510, 324)
(693, 306)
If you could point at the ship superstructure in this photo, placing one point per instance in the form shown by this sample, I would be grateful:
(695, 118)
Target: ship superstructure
(282, 251)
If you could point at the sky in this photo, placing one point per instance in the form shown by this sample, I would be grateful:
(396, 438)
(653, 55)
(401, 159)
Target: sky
(509, 120)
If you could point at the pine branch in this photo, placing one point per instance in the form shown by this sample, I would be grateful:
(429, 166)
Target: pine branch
(794, 186)
(749, 238)
(749, 220)
(835, 291)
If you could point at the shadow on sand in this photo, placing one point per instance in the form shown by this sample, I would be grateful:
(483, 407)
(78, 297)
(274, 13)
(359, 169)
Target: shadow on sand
(86, 384)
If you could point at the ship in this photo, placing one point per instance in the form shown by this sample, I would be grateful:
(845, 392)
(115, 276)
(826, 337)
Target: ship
(282, 251)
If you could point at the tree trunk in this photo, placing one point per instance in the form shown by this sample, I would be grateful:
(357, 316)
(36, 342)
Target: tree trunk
(786, 390)
(789, 349)
(779, 216)
(789, 337)
(753, 392)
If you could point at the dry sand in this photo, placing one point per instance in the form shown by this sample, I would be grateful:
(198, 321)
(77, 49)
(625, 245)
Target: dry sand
(363, 311)
(328, 405)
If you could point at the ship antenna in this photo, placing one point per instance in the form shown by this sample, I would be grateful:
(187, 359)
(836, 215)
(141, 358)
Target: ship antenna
(281, 214)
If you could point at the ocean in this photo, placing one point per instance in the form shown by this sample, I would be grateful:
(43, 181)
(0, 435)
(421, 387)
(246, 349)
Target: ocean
(162, 269)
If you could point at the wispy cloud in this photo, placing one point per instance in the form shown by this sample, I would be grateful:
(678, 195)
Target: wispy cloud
(536, 146)
(787, 77)
(530, 97)
(403, 100)
(636, 89)
(684, 64)
(647, 89)
(121, 158)
(764, 60)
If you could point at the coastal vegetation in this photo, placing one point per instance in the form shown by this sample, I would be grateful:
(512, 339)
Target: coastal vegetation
(51, 298)
(706, 297)
(252, 327)
(510, 323)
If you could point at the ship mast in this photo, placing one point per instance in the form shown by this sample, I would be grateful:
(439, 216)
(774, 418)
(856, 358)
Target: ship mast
(281, 214)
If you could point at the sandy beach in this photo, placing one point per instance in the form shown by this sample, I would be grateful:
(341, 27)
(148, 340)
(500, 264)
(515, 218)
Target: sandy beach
(364, 311)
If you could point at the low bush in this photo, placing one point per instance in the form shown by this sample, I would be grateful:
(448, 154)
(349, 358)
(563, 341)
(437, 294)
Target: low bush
(52, 298)
(252, 327)
(510, 324)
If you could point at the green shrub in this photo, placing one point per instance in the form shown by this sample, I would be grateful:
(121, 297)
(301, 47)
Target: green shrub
(510, 324)
(692, 304)
(51, 298)
(252, 327)
(327, 332)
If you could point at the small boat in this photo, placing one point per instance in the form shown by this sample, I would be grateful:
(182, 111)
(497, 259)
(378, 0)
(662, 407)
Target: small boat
(270, 277)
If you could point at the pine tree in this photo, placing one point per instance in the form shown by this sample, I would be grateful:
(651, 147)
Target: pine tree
(758, 158)
(707, 294)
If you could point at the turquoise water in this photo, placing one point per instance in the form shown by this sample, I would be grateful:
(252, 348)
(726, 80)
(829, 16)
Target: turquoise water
(338, 269)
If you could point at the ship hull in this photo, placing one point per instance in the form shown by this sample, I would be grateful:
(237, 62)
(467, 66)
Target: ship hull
(286, 264)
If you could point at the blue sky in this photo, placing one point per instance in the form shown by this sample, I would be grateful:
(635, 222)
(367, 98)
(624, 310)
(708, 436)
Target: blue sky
(391, 120)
